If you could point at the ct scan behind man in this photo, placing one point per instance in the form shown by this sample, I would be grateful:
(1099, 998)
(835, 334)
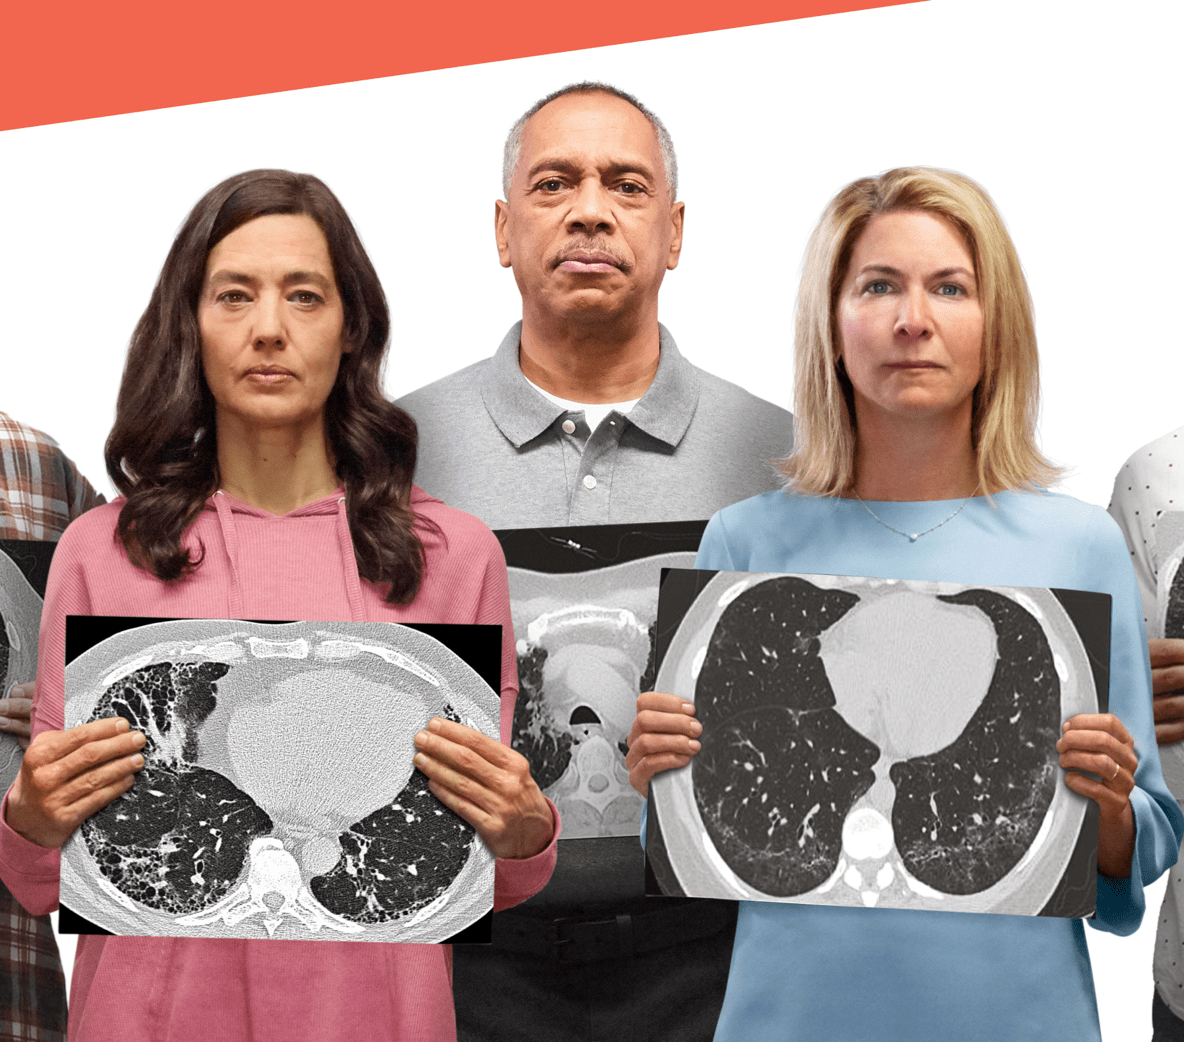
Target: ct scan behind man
(587, 414)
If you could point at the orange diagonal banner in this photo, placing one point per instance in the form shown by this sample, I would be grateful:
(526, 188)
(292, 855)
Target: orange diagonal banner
(72, 61)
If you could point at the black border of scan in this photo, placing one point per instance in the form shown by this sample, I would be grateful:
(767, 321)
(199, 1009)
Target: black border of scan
(1089, 614)
(478, 645)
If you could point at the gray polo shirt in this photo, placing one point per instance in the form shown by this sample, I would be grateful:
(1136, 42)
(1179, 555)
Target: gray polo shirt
(491, 445)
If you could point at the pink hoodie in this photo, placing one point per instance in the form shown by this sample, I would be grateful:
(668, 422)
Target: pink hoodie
(258, 566)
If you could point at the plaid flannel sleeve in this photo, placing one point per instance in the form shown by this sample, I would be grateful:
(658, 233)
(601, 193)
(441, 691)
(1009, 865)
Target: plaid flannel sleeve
(41, 490)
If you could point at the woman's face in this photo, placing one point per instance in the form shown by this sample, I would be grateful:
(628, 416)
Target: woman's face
(910, 321)
(271, 321)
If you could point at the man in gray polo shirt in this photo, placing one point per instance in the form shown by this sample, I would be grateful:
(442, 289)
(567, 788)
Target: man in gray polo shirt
(586, 415)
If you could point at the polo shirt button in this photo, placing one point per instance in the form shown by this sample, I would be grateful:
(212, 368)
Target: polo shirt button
(589, 482)
(569, 427)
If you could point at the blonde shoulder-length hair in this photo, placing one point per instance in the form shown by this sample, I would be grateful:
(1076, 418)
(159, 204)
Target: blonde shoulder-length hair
(1007, 398)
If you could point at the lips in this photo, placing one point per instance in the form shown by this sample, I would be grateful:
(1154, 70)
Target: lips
(268, 373)
(589, 259)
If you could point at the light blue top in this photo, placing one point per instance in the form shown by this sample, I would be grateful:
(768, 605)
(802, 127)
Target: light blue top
(823, 974)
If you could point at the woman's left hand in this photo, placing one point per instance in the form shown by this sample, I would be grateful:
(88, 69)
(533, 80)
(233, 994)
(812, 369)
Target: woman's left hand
(487, 784)
(1100, 744)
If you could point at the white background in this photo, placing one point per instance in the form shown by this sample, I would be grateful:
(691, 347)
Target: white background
(1067, 114)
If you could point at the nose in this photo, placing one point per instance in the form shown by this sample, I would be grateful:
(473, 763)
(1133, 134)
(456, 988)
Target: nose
(591, 209)
(268, 325)
(915, 318)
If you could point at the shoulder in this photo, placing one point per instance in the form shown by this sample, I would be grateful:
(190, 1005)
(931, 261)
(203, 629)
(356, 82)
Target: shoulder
(93, 532)
(463, 534)
(768, 507)
(1152, 467)
(445, 390)
(1170, 445)
(739, 422)
(22, 434)
(745, 523)
(728, 397)
(1068, 522)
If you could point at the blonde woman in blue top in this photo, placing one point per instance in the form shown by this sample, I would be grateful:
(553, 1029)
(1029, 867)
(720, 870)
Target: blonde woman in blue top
(916, 396)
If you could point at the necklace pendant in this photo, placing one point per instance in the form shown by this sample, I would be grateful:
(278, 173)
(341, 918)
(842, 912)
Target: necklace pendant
(913, 537)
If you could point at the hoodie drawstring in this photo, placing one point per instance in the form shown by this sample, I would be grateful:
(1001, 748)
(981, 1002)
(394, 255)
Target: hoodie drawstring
(234, 599)
(349, 564)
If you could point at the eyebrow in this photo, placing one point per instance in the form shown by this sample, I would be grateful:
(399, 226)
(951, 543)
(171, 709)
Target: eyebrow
(566, 166)
(887, 269)
(222, 278)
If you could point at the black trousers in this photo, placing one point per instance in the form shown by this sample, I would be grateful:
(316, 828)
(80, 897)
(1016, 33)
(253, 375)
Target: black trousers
(669, 994)
(1165, 1025)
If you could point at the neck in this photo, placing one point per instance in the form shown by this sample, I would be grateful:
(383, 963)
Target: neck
(590, 361)
(914, 460)
(278, 470)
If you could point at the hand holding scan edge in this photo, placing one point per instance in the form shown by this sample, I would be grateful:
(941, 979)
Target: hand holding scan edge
(16, 711)
(66, 776)
(489, 785)
(663, 736)
(1167, 686)
(1100, 744)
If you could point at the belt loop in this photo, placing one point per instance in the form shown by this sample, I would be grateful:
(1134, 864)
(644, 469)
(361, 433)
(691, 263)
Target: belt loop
(625, 936)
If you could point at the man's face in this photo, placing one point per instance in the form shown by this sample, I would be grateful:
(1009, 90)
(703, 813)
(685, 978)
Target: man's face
(589, 227)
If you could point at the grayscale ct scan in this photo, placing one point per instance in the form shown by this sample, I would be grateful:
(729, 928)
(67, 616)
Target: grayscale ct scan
(278, 797)
(878, 743)
(23, 568)
(585, 605)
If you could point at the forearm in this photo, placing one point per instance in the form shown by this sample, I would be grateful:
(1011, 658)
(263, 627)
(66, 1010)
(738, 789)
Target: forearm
(518, 879)
(1116, 843)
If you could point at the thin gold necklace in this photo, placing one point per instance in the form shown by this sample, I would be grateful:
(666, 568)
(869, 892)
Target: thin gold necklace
(912, 537)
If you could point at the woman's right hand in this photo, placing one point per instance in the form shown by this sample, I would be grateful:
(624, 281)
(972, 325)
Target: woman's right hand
(663, 736)
(66, 776)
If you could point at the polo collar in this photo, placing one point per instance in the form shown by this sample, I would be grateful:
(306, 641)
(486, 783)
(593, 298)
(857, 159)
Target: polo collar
(522, 414)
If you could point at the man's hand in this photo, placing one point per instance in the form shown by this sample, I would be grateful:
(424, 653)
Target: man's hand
(664, 735)
(66, 776)
(1167, 685)
(487, 784)
(15, 711)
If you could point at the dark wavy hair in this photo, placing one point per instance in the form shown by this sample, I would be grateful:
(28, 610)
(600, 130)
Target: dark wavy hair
(162, 452)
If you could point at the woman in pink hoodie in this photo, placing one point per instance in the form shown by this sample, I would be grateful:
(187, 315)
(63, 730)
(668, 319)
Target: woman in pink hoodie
(265, 475)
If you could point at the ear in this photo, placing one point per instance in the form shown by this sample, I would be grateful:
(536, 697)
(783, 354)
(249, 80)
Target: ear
(677, 213)
(501, 217)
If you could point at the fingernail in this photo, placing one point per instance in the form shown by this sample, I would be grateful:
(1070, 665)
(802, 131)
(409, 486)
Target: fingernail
(421, 738)
(1064, 726)
(139, 739)
(137, 760)
(419, 759)
(121, 725)
(696, 727)
(695, 746)
(688, 708)
(435, 723)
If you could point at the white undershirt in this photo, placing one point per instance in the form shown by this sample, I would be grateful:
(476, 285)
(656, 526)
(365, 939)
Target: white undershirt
(593, 412)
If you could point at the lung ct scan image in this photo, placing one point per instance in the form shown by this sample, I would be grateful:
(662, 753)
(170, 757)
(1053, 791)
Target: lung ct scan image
(585, 609)
(24, 567)
(878, 742)
(278, 798)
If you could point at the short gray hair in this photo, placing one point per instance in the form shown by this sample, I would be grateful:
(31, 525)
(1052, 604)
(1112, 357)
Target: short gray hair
(513, 149)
